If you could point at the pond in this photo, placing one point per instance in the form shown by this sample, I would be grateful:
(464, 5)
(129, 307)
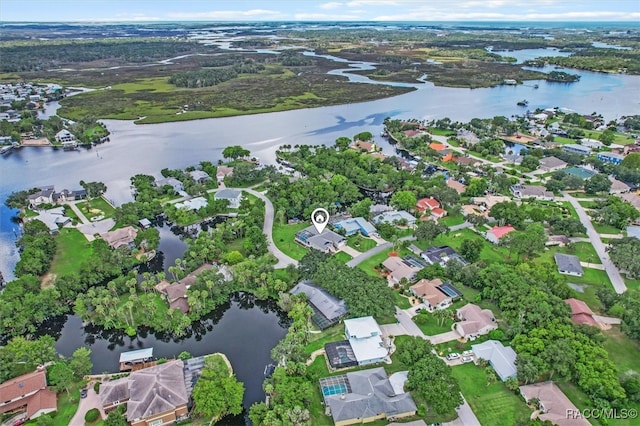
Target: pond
(244, 329)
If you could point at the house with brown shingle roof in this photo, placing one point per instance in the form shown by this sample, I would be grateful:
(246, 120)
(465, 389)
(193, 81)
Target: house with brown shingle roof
(154, 396)
(120, 237)
(474, 321)
(176, 293)
(28, 393)
(457, 186)
(364, 146)
(554, 405)
(430, 294)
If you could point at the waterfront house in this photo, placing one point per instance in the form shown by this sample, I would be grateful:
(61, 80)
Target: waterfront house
(222, 172)
(64, 136)
(193, 204)
(54, 218)
(44, 196)
(497, 232)
(354, 225)
(326, 242)
(474, 321)
(553, 405)
(233, 196)
(365, 338)
(365, 396)
(501, 358)
(120, 237)
(609, 157)
(568, 264)
(467, 137)
(137, 359)
(364, 146)
(327, 309)
(154, 396)
(27, 394)
(174, 183)
(200, 176)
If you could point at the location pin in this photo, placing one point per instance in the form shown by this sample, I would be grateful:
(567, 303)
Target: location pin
(320, 218)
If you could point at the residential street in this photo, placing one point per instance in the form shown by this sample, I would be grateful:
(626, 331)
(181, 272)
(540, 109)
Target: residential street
(611, 269)
(466, 417)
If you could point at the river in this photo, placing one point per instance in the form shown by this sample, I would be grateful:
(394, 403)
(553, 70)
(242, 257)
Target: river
(245, 330)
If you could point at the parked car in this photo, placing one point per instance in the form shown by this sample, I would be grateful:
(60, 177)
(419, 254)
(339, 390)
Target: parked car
(83, 393)
(419, 310)
(453, 356)
(467, 353)
(466, 359)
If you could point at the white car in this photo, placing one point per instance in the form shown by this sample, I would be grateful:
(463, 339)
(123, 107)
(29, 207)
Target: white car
(466, 359)
(453, 355)
(467, 353)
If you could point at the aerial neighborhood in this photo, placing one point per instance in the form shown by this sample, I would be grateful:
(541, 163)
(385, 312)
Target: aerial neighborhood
(461, 273)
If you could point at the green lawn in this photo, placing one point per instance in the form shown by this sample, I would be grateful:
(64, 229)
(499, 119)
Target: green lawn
(494, 405)
(605, 229)
(343, 257)
(584, 251)
(360, 243)
(334, 333)
(96, 207)
(593, 279)
(489, 253)
(452, 220)
(283, 236)
(401, 301)
(430, 325)
(72, 251)
(370, 264)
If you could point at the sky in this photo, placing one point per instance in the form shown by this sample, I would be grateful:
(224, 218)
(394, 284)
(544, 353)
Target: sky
(314, 10)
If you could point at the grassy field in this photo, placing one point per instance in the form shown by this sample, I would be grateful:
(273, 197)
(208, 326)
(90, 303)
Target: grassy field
(430, 325)
(605, 229)
(96, 207)
(401, 301)
(360, 243)
(494, 405)
(71, 252)
(452, 220)
(283, 236)
(343, 257)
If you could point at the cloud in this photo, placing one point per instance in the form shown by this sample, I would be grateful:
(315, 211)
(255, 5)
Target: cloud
(331, 5)
(440, 15)
(230, 15)
(360, 3)
(325, 17)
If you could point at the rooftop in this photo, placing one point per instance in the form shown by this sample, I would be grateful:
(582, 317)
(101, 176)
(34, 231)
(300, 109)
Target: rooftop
(502, 358)
(555, 404)
(136, 355)
(393, 217)
(227, 194)
(568, 263)
(330, 307)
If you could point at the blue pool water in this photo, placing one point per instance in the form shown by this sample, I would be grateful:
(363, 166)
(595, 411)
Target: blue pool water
(334, 389)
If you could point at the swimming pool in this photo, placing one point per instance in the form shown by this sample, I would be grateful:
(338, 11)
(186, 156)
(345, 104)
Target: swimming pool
(337, 389)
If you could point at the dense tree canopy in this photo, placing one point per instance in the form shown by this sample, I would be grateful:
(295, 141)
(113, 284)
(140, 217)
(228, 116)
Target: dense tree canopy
(217, 392)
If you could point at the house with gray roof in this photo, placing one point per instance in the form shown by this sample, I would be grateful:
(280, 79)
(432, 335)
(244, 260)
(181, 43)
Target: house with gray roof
(633, 231)
(531, 191)
(326, 242)
(501, 358)
(568, 264)
(233, 196)
(327, 309)
(364, 396)
(154, 395)
(395, 216)
(354, 225)
(174, 183)
(441, 255)
(551, 164)
(200, 176)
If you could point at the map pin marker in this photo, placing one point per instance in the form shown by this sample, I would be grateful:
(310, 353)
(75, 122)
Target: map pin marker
(320, 218)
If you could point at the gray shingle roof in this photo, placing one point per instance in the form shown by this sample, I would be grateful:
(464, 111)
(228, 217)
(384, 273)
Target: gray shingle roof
(331, 307)
(568, 263)
(371, 395)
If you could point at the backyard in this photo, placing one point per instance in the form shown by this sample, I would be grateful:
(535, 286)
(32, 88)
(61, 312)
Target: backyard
(493, 404)
(430, 325)
(283, 237)
(96, 208)
(71, 252)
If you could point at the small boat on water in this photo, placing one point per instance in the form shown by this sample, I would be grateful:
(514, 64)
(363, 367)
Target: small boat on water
(523, 102)
(535, 86)
(5, 150)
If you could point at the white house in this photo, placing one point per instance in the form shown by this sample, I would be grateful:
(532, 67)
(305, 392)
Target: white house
(233, 196)
(365, 338)
(64, 136)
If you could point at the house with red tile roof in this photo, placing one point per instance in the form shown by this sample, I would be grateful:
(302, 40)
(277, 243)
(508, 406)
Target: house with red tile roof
(581, 313)
(28, 393)
(494, 234)
(438, 213)
(425, 204)
(437, 146)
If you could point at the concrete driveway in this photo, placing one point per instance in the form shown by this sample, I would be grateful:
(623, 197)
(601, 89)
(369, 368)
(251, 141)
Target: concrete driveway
(449, 336)
(612, 271)
(465, 416)
(408, 324)
(91, 401)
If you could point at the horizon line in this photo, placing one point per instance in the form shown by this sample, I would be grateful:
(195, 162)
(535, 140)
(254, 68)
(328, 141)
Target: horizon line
(158, 21)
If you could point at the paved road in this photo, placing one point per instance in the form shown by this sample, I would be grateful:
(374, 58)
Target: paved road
(369, 253)
(613, 273)
(408, 324)
(267, 228)
(78, 213)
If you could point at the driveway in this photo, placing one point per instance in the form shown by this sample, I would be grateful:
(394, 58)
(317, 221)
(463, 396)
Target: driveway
(408, 324)
(267, 228)
(368, 254)
(393, 330)
(100, 227)
(91, 401)
(466, 417)
(449, 336)
(350, 251)
(611, 269)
